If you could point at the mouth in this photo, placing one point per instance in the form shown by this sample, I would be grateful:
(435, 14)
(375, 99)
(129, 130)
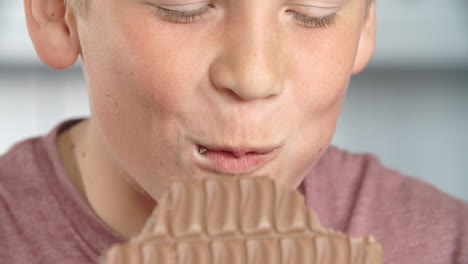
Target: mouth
(234, 160)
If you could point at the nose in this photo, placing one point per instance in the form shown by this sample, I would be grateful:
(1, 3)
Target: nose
(249, 65)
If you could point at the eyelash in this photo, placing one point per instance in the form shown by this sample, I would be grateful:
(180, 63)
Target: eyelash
(314, 22)
(195, 15)
(183, 16)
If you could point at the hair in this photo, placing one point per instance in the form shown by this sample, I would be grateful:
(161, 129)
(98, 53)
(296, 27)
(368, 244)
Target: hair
(79, 7)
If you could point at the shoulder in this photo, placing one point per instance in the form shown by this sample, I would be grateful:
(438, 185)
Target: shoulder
(19, 190)
(385, 185)
(413, 219)
(30, 158)
(367, 170)
(22, 170)
(18, 160)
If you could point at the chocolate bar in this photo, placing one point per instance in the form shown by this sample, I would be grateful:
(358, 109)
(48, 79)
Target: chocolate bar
(239, 220)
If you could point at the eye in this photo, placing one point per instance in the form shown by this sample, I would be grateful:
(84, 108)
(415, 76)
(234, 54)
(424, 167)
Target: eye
(185, 14)
(178, 14)
(314, 22)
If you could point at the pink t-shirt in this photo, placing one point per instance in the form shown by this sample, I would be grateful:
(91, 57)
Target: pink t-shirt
(43, 218)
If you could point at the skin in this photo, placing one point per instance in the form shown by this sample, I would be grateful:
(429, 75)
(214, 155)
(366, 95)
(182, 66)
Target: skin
(247, 74)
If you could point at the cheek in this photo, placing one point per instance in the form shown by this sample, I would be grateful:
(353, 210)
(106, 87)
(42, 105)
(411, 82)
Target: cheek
(319, 80)
(322, 68)
(318, 77)
(140, 72)
(134, 93)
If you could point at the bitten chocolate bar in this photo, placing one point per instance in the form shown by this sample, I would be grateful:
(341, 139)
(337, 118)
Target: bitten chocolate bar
(239, 220)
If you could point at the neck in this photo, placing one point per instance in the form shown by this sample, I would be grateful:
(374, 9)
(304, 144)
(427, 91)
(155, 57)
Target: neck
(107, 188)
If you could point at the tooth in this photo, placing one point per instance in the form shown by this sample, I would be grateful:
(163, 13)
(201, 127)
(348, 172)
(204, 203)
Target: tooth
(202, 150)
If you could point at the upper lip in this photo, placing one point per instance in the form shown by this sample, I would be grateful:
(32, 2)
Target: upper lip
(239, 151)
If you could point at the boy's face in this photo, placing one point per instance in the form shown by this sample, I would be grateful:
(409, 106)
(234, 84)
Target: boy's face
(245, 77)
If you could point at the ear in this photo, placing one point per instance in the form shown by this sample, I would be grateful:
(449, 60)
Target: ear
(53, 31)
(367, 41)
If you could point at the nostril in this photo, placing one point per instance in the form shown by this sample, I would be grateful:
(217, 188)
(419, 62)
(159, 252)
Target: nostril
(234, 95)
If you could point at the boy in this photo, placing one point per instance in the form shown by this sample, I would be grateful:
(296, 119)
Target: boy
(190, 88)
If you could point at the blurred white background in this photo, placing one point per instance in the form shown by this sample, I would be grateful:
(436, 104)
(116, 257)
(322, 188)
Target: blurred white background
(410, 107)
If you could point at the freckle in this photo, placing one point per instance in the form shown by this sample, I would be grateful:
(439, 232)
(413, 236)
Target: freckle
(83, 154)
(132, 73)
(161, 163)
(107, 95)
(53, 14)
(116, 104)
(72, 146)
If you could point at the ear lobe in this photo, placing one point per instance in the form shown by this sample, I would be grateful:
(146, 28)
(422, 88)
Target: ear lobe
(366, 41)
(53, 31)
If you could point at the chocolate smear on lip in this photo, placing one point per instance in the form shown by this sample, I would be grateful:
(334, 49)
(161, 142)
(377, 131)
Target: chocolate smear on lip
(202, 150)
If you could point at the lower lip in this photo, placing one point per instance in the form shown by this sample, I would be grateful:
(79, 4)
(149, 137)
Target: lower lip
(226, 163)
